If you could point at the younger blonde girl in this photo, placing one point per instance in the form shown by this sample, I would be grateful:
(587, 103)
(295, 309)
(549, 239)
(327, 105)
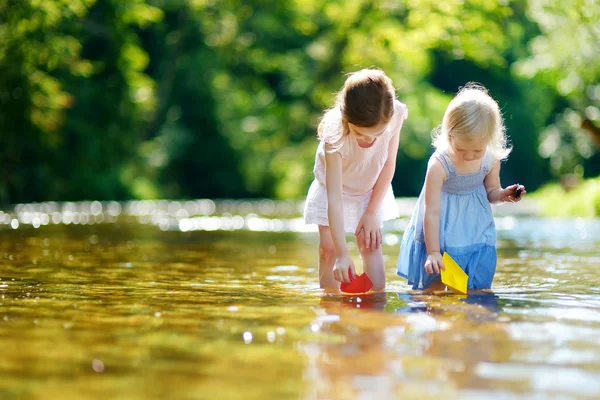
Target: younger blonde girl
(453, 213)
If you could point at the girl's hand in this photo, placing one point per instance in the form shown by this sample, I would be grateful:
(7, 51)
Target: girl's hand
(434, 263)
(513, 193)
(344, 270)
(370, 224)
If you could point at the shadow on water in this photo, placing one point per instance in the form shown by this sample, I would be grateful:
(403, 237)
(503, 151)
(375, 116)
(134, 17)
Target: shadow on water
(418, 302)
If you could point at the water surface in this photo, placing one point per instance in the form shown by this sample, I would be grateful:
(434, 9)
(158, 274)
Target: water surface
(133, 310)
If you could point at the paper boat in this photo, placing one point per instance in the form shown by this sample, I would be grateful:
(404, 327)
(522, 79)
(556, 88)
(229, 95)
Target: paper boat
(454, 277)
(361, 284)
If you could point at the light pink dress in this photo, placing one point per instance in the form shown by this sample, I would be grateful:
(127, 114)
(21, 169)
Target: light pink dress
(360, 170)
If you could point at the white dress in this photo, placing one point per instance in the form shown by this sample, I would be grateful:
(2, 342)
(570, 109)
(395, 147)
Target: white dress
(360, 170)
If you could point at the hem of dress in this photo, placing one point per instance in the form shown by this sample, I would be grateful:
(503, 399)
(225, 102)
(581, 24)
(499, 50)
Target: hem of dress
(412, 284)
(425, 281)
(315, 208)
(460, 250)
(317, 221)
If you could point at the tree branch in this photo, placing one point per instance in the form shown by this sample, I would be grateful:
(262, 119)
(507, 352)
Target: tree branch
(588, 126)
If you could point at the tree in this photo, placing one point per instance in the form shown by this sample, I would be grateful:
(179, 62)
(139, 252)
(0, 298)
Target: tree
(280, 64)
(566, 57)
(71, 91)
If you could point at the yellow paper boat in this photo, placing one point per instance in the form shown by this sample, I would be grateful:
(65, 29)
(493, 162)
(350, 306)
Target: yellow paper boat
(454, 277)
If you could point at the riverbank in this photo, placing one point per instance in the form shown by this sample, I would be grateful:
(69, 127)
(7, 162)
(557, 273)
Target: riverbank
(582, 201)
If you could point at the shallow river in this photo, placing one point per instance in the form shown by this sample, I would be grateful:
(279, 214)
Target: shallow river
(137, 310)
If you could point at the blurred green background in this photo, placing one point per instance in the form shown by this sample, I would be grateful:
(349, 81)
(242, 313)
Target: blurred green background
(120, 99)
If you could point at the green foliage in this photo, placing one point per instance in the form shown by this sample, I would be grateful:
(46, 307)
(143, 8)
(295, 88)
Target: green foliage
(73, 96)
(172, 98)
(582, 201)
(273, 86)
(566, 57)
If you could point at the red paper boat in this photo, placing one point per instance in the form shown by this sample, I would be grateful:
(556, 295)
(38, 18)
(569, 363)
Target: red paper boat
(361, 284)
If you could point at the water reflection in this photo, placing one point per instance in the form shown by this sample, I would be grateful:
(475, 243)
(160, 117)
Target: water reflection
(426, 349)
(432, 346)
(370, 301)
(133, 311)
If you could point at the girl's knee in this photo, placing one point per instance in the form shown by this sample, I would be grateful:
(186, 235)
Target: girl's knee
(435, 286)
(366, 252)
(327, 251)
(362, 247)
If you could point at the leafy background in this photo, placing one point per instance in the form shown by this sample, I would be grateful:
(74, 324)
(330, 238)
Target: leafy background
(120, 99)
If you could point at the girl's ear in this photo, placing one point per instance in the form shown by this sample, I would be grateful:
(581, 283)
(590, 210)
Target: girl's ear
(345, 126)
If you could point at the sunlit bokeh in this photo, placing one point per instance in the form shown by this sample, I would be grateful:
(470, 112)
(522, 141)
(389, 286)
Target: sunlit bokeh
(150, 306)
(126, 273)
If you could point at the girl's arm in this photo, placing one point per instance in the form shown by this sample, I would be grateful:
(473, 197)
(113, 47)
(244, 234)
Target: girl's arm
(431, 225)
(494, 190)
(344, 267)
(370, 220)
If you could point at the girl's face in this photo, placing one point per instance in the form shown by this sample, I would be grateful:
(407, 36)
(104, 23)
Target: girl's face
(468, 150)
(368, 134)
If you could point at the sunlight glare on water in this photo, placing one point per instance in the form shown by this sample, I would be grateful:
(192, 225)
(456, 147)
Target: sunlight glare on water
(120, 302)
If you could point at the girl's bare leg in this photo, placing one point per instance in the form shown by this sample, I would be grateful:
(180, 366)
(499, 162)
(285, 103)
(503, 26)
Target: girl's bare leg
(326, 259)
(436, 286)
(372, 262)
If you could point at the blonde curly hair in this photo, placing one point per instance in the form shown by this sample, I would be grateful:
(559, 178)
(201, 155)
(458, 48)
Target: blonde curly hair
(473, 114)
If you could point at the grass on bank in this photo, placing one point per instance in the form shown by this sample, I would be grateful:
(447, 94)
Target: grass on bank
(581, 201)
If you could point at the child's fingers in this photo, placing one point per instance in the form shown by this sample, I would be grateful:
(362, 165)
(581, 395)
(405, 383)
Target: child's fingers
(379, 239)
(368, 240)
(523, 193)
(518, 192)
(428, 267)
(358, 229)
(360, 239)
(352, 272)
(345, 277)
(336, 275)
(442, 266)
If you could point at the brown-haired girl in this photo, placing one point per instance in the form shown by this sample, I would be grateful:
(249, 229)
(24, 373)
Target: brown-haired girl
(354, 166)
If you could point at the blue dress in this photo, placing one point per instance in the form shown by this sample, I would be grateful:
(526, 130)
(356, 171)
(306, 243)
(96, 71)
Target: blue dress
(467, 230)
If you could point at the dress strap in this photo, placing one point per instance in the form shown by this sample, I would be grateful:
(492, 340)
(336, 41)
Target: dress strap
(488, 161)
(447, 163)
